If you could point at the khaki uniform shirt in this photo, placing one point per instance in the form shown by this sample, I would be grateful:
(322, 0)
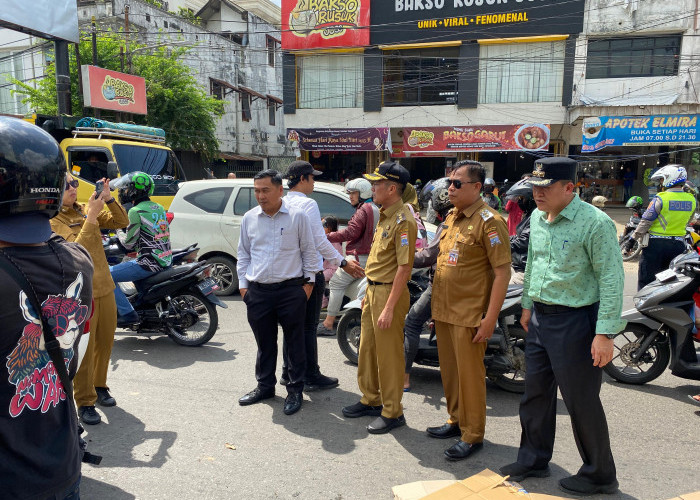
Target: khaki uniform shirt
(394, 243)
(70, 223)
(472, 243)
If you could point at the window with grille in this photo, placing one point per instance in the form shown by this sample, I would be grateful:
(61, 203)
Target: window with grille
(633, 57)
(330, 81)
(521, 72)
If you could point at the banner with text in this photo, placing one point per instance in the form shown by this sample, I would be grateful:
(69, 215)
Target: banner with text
(106, 89)
(340, 139)
(308, 24)
(663, 130)
(410, 21)
(532, 137)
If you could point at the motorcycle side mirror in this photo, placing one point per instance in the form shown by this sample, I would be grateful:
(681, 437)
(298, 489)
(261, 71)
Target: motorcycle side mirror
(112, 170)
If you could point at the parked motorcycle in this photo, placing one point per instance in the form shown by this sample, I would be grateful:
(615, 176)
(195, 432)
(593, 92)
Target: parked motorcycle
(178, 302)
(659, 330)
(635, 204)
(116, 253)
(505, 353)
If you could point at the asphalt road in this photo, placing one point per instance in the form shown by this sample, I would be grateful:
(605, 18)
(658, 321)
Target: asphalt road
(178, 431)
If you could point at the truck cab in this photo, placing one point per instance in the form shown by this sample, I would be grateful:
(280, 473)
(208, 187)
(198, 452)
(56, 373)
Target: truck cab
(90, 149)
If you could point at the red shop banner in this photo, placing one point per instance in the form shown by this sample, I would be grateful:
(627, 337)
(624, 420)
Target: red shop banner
(106, 89)
(530, 137)
(310, 24)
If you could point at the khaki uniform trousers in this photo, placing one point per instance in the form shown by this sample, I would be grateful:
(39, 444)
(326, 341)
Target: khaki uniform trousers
(463, 378)
(381, 361)
(93, 370)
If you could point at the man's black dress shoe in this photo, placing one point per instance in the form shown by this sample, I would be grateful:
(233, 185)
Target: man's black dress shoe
(320, 383)
(461, 450)
(518, 472)
(581, 486)
(104, 398)
(254, 396)
(382, 424)
(444, 431)
(360, 410)
(292, 403)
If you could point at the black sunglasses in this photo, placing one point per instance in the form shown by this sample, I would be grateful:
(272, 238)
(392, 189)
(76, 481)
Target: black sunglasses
(73, 184)
(458, 184)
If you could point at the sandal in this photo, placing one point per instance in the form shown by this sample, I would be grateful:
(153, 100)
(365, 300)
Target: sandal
(694, 400)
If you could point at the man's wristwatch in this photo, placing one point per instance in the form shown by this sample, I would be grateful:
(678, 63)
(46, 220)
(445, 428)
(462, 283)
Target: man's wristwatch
(343, 263)
(611, 335)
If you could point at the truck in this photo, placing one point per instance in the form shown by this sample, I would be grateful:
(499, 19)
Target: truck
(95, 148)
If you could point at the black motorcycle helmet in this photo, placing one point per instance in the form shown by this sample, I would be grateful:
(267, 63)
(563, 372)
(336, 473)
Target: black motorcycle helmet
(32, 180)
(134, 187)
(523, 191)
(440, 198)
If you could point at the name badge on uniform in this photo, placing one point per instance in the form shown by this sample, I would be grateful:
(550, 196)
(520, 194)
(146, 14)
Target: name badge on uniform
(404, 239)
(452, 257)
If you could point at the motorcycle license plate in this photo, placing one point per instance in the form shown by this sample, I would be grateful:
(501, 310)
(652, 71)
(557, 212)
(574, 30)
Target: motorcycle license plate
(208, 286)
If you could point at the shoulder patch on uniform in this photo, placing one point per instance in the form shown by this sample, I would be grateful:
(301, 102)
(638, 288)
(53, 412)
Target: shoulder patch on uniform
(485, 214)
(404, 239)
(493, 237)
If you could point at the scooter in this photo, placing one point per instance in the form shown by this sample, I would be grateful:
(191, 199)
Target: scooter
(505, 353)
(659, 329)
(178, 302)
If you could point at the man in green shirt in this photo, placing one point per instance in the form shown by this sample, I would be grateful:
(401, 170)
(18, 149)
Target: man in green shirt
(572, 301)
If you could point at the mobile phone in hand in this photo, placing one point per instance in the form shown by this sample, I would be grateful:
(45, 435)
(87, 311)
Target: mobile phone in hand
(99, 186)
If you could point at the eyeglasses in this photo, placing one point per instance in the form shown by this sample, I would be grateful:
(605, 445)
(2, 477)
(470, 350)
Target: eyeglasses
(74, 184)
(458, 184)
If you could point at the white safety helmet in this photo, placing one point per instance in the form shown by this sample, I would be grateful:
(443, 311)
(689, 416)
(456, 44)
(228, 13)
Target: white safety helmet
(599, 201)
(361, 186)
(671, 175)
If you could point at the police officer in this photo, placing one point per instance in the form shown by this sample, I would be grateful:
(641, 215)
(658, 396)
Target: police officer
(664, 220)
(381, 358)
(471, 279)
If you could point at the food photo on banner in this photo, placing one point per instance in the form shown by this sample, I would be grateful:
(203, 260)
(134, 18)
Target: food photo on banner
(528, 137)
(325, 23)
(403, 21)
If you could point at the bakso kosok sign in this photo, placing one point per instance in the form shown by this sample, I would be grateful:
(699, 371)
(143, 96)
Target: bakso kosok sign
(529, 137)
(668, 130)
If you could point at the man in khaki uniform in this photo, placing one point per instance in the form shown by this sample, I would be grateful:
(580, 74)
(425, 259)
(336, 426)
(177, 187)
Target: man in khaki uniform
(82, 224)
(471, 279)
(384, 308)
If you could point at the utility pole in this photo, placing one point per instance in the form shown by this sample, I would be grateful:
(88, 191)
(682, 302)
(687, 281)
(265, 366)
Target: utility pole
(126, 29)
(62, 79)
(93, 29)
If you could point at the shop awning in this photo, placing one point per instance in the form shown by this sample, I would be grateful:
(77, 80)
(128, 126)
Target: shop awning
(235, 157)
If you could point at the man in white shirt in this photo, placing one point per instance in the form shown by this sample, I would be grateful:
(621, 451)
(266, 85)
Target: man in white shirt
(277, 262)
(300, 180)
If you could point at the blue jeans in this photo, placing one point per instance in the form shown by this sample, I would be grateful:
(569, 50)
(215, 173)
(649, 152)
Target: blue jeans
(126, 271)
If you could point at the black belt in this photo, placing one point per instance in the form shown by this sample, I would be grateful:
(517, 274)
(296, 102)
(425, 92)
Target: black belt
(554, 309)
(374, 283)
(277, 286)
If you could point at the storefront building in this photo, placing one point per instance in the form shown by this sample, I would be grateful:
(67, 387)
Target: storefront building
(459, 79)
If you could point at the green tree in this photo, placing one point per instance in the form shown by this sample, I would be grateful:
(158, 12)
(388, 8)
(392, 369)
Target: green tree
(176, 102)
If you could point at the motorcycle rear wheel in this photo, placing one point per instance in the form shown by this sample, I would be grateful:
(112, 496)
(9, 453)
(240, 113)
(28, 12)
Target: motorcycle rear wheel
(202, 330)
(623, 369)
(348, 334)
(632, 254)
(514, 380)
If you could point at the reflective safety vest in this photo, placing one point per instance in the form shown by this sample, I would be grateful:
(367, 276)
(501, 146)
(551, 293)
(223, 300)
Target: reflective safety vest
(677, 208)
